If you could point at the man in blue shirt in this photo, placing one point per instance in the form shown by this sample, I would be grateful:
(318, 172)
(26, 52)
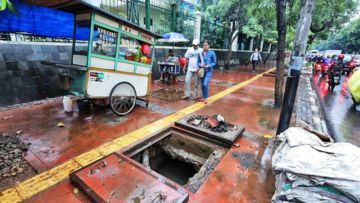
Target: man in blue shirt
(208, 62)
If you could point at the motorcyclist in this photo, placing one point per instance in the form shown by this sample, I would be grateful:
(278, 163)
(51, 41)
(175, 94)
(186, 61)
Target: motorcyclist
(336, 69)
(340, 64)
(319, 59)
(327, 60)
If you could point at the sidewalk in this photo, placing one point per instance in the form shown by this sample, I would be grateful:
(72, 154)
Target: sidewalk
(241, 100)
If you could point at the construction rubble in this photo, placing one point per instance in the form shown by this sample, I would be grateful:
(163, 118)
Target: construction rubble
(215, 123)
(309, 169)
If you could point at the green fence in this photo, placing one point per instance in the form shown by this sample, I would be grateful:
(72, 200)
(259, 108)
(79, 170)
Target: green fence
(161, 13)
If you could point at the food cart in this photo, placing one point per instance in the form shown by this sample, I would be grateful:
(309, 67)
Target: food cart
(111, 58)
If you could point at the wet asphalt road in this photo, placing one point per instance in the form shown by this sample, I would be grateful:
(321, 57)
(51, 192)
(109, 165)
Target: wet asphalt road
(343, 120)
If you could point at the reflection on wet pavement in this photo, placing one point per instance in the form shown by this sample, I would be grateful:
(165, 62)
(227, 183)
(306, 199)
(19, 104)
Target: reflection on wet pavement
(344, 121)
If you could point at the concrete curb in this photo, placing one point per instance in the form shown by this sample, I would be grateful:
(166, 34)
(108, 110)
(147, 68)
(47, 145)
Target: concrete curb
(317, 121)
(326, 123)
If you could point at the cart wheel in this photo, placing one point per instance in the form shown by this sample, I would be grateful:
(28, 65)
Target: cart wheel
(100, 103)
(122, 98)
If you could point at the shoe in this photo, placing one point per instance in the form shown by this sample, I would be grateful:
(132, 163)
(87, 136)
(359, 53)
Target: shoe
(201, 99)
(185, 97)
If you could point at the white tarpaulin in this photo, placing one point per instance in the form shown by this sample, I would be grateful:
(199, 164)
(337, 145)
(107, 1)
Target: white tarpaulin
(311, 170)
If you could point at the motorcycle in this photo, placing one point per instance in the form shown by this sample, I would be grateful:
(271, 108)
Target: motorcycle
(334, 79)
(349, 67)
(324, 69)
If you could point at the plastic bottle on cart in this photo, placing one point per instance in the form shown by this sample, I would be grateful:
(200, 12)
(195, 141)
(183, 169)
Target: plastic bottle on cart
(68, 105)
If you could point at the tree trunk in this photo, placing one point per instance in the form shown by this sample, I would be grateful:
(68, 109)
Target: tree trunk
(251, 47)
(301, 37)
(268, 55)
(280, 58)
(228, 58)
(229, 53)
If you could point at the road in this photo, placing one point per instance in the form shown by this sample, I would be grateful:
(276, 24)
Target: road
(342, 118)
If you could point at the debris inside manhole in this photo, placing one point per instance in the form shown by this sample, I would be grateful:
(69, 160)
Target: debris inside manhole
(215, 123)
(184, 160)
(12, 151)
(168, 94)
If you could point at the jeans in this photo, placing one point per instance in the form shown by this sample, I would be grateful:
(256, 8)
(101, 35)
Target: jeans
(189, 76)
(254, 63)
(205, 84)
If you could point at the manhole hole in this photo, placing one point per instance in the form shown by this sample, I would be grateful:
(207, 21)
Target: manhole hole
(168, 94)
(179, 156)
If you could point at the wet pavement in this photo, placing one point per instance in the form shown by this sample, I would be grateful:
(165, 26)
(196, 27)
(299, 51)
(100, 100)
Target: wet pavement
(342, 119)
(244, 174)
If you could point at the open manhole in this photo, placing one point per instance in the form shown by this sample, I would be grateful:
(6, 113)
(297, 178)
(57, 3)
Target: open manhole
(168, 94)
(161, 167)
(181, 156)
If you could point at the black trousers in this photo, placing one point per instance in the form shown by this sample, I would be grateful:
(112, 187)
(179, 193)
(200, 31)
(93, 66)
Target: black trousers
(254, 63)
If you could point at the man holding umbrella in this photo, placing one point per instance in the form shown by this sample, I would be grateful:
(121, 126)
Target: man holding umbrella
(192, 55)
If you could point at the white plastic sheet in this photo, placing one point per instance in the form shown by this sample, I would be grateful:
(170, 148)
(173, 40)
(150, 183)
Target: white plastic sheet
(310, 170)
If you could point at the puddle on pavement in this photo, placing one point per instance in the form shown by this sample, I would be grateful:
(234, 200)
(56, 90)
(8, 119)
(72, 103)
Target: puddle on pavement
(267, 111)
(246, 159)
(168, 94)
(185, 160)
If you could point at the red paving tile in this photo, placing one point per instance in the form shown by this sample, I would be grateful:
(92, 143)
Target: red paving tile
(63, 192)
(54, 145)
(243, 175)
(82, 132)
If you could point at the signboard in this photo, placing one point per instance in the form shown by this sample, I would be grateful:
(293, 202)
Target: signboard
(130, 30)
(144, 36)
(105, 41)
(96, 76)
(135, 32)
(296, 62)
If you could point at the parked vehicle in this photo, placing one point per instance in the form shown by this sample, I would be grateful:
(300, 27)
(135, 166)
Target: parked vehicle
(315, 52)
(332, 52)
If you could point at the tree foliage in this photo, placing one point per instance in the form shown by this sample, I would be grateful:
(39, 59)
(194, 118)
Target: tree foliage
(329, 15)
(347, 39)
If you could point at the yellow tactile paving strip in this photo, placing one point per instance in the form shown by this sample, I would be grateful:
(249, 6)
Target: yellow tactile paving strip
(49, 178)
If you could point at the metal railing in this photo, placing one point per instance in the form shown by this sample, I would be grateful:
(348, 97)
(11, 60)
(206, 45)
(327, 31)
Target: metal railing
(134, 11)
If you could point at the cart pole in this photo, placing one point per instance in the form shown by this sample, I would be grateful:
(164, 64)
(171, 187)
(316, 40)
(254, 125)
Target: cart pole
(147, 14)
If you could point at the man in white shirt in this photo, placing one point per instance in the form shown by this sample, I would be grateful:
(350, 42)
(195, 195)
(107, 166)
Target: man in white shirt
(192, 55)
(255, 58)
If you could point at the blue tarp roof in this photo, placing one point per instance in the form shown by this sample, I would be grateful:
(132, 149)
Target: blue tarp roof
(38, 20)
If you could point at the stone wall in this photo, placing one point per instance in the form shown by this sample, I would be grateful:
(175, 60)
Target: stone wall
(24, 79)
